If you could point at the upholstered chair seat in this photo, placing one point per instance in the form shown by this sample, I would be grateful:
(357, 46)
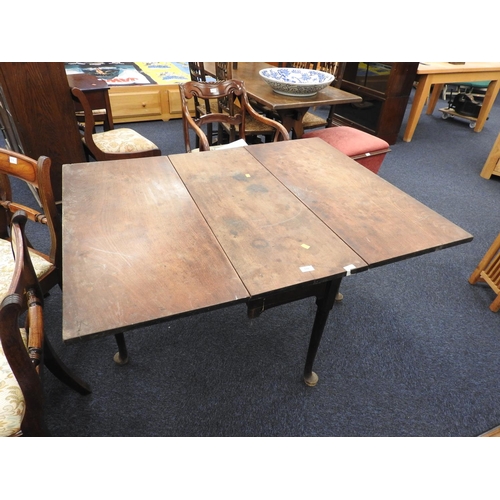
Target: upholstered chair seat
(42, 266)
(12, 404)
(122, 140)
(111, 144)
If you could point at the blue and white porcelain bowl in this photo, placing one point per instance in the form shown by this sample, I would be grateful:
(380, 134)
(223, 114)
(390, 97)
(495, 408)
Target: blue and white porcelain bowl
(296, 82)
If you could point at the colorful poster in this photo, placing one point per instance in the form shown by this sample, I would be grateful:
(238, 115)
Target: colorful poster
(129, 73)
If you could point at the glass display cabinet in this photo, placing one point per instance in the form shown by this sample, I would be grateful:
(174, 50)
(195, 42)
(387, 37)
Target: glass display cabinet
(385, 88)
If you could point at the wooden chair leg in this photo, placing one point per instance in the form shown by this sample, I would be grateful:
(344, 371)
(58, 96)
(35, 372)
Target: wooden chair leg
(55, 365)
(488, 271)
(121, 357)
(488, 256)
(495, 305)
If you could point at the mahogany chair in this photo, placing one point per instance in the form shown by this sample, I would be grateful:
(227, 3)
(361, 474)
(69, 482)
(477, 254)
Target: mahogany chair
(97, 93)
(254, 128)
(36, 173)
(233, 117)
(110, 144)
(23, 347)
(488, 271)
(202, 106)
(47, 265)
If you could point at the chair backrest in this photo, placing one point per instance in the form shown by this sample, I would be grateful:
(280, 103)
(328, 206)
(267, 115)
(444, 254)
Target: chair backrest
(23, 355)
(303, 65)
(202, 106)
(97, 94)
(113, 144)
(37, 174)
(234, 116)
(197, 72)
(88, 128)
(223, 71)
(334, 68)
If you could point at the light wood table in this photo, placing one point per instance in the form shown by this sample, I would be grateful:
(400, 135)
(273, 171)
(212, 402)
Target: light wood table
(291, 110)
(266, 225)
(441, 73)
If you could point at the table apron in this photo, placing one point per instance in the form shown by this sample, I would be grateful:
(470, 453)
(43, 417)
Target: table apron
(257, 305)
(459, 77)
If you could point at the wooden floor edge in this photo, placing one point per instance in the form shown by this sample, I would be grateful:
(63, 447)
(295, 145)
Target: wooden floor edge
(495, 432)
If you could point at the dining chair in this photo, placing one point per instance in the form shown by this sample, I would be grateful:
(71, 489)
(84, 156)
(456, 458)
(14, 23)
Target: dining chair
(112, 143)
(36, 174)
(202, 106)
(97, 94)
(312, 120)
(23, 346)
(47, 264)
(488, 272)
(254, 128)
(234, 117)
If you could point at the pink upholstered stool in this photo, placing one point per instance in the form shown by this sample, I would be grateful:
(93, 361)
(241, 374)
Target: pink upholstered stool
(365, 148)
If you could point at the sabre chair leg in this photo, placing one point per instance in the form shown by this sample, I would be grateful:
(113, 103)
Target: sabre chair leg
(324, 305)
(495, 305)
(121, 357)
(61, 371)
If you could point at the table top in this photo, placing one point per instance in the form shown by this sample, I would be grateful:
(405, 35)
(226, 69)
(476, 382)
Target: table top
(425, 68)
(149, 239)
(261, 92)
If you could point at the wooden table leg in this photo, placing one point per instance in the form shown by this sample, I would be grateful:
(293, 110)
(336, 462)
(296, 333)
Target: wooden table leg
(324, 305)
(291, 119)
(435, 95)
(419, 99)
(489, 99)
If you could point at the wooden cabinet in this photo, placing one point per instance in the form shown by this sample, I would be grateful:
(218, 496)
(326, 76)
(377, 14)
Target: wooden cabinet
(145, 102)
(139, 91)
(385, 89)
(39, 100)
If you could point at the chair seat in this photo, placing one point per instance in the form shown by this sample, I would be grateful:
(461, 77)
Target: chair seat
(366, 149)
(202, 108)
(122, 140)
(310, 120)
(253, 126)
(12, 404)
(41, 265)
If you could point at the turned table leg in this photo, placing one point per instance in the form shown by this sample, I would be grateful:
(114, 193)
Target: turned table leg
(324, 305)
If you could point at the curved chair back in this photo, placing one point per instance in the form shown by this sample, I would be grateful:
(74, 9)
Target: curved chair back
(233, 116)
